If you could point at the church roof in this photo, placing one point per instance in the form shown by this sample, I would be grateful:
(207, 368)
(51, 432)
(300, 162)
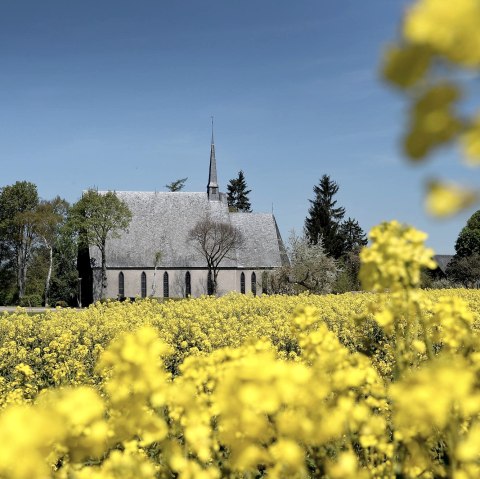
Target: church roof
(442, 261)
(161, 221)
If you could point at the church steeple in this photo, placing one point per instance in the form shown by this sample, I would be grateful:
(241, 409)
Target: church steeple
(212, 187)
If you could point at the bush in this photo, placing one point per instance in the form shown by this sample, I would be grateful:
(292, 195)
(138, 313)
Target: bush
(61, 304)
(30, 300)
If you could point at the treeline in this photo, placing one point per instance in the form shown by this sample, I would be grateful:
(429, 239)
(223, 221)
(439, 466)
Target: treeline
(44, 244)
(325, 258)
(38, 248)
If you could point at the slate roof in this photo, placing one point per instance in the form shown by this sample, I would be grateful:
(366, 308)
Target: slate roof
(161, 221)
(442, 261)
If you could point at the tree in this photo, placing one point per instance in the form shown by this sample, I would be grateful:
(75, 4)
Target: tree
(468, 241)
(237, 194)
(18, 205)
(156, 260)
(465, 265)
(322, 224)
(310, 269)
(64, 283)
(176, 185)
(353, 236)
(50, 215)
(347, 278)
(98, 216)
(7, 276)
(215, 240)
(465, 270)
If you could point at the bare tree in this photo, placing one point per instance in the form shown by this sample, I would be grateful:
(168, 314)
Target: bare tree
(215, 240)
(156, 260)
(179, 284)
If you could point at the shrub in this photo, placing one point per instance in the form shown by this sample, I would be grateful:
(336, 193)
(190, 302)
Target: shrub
(30, 300)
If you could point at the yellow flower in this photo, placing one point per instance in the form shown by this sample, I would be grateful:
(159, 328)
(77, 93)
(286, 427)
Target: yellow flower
(452, 32)
(447, 199)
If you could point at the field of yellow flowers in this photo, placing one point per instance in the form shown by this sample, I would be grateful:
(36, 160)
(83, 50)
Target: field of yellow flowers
(375, 384)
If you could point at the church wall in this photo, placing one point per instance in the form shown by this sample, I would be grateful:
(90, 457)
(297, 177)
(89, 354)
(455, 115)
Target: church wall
(228, 280)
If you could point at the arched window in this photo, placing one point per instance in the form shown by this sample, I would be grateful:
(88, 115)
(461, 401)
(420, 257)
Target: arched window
(209, 283)
(165, 285)
(242, 283)
(264, 282)
(143, 285)
(254, 284)
(121, 285)
(188, 284)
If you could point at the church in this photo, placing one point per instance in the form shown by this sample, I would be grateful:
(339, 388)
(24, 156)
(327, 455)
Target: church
(155, 257)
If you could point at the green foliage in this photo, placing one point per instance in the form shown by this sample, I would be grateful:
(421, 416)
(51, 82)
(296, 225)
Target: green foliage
(64, 278)
(237, 194)
(176, 185)
(468, 241)
(31, 300)
(324, 222)
(18, 205)
(465, 265)
(97, 217)
(465, 270)
(347, 278)
(353, 236)
(100, 215)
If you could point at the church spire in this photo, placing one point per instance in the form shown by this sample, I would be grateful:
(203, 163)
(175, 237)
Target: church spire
(212, 187)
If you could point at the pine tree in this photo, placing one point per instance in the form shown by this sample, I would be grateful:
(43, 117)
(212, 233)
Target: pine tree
(237, 194)
(323, 222)
(176, 185)
(353, 236)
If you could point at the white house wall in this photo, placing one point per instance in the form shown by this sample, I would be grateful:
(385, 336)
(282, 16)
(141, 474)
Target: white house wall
(228, 280)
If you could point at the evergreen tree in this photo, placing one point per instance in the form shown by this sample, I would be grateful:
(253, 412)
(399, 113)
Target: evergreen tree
(176, 185)
(352, 235)
(237, 194)
(323, 222)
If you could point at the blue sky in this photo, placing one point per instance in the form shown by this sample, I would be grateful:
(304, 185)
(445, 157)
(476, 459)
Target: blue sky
(118, 94)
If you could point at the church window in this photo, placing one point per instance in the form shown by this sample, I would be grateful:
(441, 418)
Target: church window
(188, 284)
(254, 284)
(121, 286)
(143, 284)
(209, 283)
(242, 283)
(165, 285)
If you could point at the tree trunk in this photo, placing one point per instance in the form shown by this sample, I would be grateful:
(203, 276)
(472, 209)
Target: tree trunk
(49, 275)
(154, 282)
(104, 273)
(21, 274)
(20, 284)
(214, 282)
